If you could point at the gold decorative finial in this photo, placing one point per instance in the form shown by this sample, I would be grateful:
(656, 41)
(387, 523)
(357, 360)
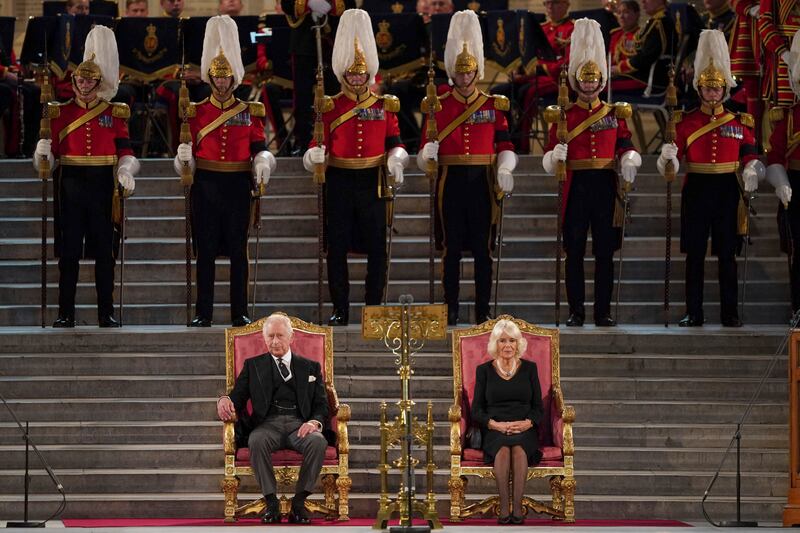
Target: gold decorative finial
(466, 62)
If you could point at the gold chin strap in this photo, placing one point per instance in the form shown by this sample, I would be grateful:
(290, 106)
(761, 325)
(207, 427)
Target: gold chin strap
(88, 69)
(711, 76)
(220, 67)
(359, 65)
(466, 62)
(589, 71)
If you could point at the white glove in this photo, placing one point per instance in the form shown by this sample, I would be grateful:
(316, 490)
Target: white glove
(784, 194)
(397, 174)
(317, 155)
(185, 152)
(263, 165)
(629, 164)
(752, 173)
(319, 7)
(44, 149)
(669, 152)
(431, 150)
(560, 152)
(754, 11)
(127, 167)
(396, 162)
(505, 180)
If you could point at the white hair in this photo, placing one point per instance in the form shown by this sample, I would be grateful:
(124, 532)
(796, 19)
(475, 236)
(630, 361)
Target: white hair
(278, 317)
(510, 328)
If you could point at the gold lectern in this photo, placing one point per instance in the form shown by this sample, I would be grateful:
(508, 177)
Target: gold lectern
(404, 329)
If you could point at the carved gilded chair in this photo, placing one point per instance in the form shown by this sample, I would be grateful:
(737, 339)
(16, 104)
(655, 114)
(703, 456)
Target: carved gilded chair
(316, 343)
(555, 430)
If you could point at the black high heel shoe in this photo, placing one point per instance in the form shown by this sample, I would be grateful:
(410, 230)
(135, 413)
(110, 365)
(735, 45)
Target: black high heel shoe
(517, 520)
(504, 520)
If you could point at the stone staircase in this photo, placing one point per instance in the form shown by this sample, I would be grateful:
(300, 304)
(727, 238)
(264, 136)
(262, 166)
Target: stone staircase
(127, 417)
(155, 279)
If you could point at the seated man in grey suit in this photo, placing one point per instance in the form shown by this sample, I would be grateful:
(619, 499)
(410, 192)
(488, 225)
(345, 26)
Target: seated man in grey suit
(289, 409)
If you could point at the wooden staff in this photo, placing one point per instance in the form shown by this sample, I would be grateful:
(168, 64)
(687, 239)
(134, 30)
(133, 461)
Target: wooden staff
(45, 132)
(669, 176)
(186, 181)
(561, 176)
(319, 168)
(431, 106)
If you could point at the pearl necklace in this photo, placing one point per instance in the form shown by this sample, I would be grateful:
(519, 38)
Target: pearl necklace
(508, 373)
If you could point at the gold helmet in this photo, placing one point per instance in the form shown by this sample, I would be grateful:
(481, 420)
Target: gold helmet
(712, 62)
(589, 71)
(711, 76)
(88, 69)
(220, 67)
(359, 65)
(466, 62)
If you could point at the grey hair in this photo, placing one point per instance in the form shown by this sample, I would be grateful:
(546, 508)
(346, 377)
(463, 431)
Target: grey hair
(509, 327)
(280, 317)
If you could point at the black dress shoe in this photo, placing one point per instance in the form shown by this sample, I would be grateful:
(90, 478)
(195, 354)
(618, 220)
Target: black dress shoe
(605, 322)
(452, 317)
(480, 319)
(575, 320)
(338, 318)
(732, 322)
(691, 321)
(504, 520)
(200, 322)
(299, 515)
(64, 322)
(272, 515)
(240, 321)
(108, 321)
(517, 520)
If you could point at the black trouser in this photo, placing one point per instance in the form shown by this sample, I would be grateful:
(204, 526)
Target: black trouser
(590, 205)
(220, 216)
(709, 204)
(303, 68)
(356, 219)
(85, 196)
(466, 213)
(794, 225)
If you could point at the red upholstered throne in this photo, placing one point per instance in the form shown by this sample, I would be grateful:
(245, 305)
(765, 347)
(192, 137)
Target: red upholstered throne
(555, 431)
(316, 343)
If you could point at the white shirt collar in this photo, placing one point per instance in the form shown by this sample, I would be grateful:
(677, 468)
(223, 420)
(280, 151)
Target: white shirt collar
(287, 360)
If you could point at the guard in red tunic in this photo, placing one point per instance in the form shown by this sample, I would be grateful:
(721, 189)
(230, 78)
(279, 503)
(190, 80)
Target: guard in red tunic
(597, 136)
(475, 158)
(745, 52)
(778, 21)
(229, 157)
(622, 44)
(715, 143)
(783, 172)
(91, 146)
(362, 145)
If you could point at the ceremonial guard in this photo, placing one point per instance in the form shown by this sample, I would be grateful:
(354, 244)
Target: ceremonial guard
(91, 147)
(597, 136)
(622, 44)
(744, 48)
(229, 158)
(475, 161)
(778, 20)
(783, 171)
(719, 16)
(364, 157)
(715, 143)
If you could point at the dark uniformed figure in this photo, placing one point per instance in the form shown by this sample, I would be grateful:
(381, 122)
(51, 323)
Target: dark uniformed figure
(361, 146)
(775, 30)
(745, 49)
(475, 160)
(89, 140)
(229, 158)
(783, 173)
(715, 143)
(597, 136)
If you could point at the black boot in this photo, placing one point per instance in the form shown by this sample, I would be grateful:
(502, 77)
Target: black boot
(108, 321)
(691, 321)
(240, 321)
(200, 322)
(339, 318)
(64, 321)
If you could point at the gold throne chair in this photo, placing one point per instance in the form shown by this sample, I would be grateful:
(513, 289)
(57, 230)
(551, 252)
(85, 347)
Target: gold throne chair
(316, 343)
(555, 431)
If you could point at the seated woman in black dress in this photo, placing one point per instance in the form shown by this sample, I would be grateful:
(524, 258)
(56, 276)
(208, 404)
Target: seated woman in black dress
(507, 405)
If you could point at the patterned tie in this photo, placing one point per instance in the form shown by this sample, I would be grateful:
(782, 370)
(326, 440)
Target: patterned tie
(282, 368)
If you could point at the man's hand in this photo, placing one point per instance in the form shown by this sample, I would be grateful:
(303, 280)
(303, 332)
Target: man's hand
(317, 155)
(784, 194)
(431, 151)
(225, 409)
(307, 428)
(754, 11)
(319, 7)
(125, 179)
(185, 152)
(669, 151)
(560, 152)
(43, 149)
(505, 180)
(786, 57)
(397, 174)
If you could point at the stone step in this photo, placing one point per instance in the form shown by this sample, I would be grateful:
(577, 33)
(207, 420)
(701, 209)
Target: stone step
(412, 268)
(599, 366)
(115, 432)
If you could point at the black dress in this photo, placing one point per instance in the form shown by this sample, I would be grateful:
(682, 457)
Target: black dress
(504, 401)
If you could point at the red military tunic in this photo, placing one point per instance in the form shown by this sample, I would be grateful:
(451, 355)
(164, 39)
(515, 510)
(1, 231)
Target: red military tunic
(559, 34)
(230, 146)
(597, 146)
(783, 145)
(719, 150)
(622, 46)
(743, 39)
(100, 140)
(359, 130)
(776, 31)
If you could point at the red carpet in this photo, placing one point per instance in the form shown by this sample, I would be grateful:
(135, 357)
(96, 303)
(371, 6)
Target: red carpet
(211, 522)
